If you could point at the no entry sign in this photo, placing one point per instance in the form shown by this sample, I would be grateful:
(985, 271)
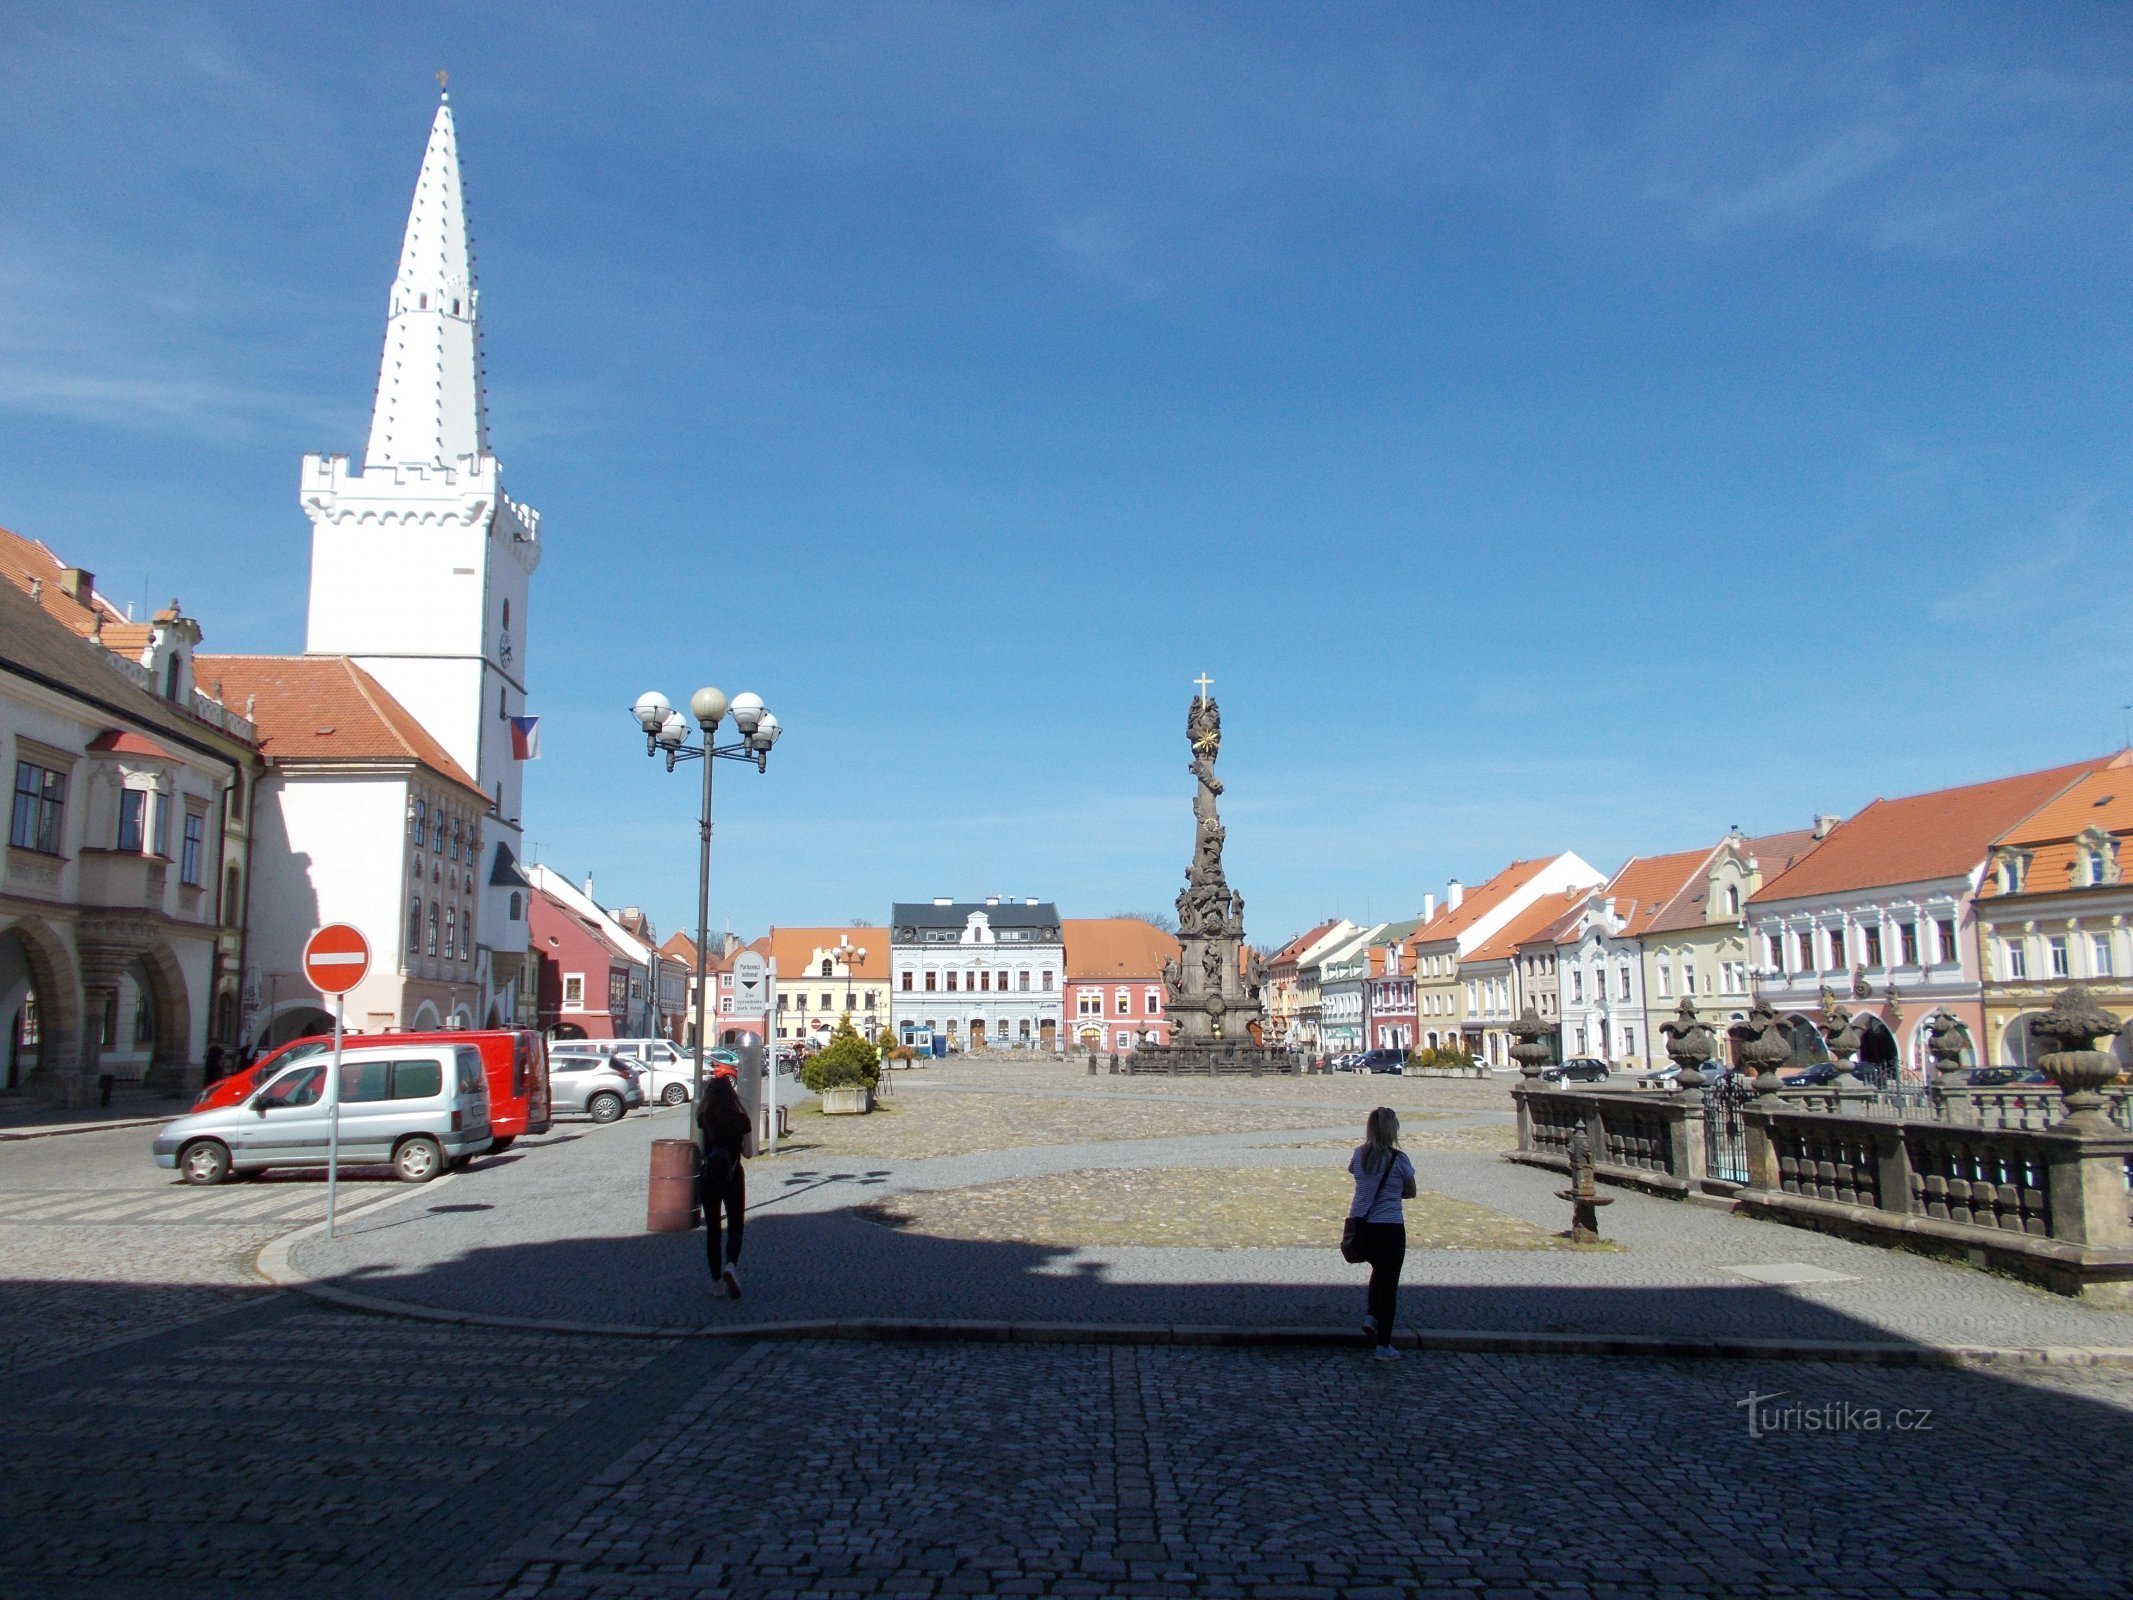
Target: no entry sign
(335, 958)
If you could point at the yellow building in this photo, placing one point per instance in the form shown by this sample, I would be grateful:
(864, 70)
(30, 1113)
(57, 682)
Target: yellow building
(822, 973)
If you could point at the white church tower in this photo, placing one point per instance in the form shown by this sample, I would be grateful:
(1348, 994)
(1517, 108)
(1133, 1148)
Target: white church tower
(420, 562)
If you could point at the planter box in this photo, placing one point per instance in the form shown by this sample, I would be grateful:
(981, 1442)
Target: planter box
(856, 1102)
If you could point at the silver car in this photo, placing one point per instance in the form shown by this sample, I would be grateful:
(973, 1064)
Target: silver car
(419, 1108)
(601, 1088)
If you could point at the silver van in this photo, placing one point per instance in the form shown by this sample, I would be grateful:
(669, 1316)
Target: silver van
(419, 1108)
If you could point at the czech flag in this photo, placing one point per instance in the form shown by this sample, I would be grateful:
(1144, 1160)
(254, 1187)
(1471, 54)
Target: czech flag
(525, 738)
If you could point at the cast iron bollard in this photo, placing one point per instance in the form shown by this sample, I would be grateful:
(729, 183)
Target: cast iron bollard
(671, 1205)
(1092, 1063)
(1583, 1195)
(1114, 1064)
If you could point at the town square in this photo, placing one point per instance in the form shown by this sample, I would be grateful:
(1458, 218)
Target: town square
(1231, 801)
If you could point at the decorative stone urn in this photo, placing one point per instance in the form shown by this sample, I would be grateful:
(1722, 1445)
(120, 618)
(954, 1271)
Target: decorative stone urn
(1531, 1052)
(2074, 1023)
(1689, 1044)
(855, 1100)
(1947, 1037)
(1763, 1047)
(1840, 1032)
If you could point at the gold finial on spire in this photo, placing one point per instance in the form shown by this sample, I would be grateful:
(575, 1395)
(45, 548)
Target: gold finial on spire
(443, 81)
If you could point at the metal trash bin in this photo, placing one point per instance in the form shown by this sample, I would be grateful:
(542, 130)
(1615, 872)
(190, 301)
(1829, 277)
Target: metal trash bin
(671, 1206)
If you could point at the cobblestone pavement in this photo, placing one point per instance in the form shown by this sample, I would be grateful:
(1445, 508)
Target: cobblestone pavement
(564, 1239)
(1073, 1470)
(97, 1243)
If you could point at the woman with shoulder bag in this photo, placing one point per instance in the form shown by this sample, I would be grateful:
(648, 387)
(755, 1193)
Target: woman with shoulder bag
(1376, 1231)
(722, 1135)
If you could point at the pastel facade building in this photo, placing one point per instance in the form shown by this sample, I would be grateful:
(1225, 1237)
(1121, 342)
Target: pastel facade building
(1115, 984)
(122, 894)
(1389, 1000)
(1883, 914)
(1490, 974)
(2056, 909)
(1448, 1015)
(825, 974)
(1343, 991)
(977, 974)
(1285, 984)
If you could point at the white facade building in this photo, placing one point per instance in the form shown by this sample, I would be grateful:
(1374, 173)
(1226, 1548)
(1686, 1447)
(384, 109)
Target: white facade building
(421, 562)
(979, 974)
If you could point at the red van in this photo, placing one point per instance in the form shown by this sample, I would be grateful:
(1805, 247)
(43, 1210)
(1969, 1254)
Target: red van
(515, 1061)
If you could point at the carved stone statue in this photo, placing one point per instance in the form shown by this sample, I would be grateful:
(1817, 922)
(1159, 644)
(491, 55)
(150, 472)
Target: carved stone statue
(1213, 995)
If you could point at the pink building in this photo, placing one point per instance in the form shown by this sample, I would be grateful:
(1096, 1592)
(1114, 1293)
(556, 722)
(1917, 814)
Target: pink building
(1114, 990)
(584, 979)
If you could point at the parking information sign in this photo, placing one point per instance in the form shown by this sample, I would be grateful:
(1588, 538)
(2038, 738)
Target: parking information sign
(335, 959)
(751, 985)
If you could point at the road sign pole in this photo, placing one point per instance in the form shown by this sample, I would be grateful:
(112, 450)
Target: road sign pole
(333, 1121)
(770, 1056)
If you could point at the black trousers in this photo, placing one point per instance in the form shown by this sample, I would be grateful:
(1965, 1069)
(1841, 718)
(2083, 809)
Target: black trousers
(1385, 1248)
(724, 1186)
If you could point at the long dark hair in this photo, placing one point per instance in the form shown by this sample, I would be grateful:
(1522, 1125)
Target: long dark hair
(722, 1098)
(1381, 1138)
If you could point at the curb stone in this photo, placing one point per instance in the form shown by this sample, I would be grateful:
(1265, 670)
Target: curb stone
(275, 1265)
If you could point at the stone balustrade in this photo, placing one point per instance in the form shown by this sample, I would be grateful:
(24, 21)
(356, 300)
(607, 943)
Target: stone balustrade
(1980, 1181)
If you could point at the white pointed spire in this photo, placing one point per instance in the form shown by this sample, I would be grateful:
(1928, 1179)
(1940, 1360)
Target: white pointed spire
(430, 406)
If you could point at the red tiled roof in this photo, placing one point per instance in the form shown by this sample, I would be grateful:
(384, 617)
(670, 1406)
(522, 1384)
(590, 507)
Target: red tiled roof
(26, 561)
(122, 742)
(2103, 800)
(1479, 901)
(793, 950)
(1645, 886)
(1302, 942)
(326, 708)
(1921, 837)
(1773, 853)
(1530, 924)
(1115, 947)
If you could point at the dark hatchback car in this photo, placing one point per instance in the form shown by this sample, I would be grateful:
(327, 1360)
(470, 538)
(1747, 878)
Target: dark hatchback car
(1578, 1069)
(1394, 1061)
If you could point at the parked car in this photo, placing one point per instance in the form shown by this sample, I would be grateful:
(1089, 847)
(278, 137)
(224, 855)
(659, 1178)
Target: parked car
(515, 1061)
(2004, 1077)
(1393, 1061)
(1812, 1077)
(597, 1085)
(421, 1108)
(1348, 1061)
(1578, 1069)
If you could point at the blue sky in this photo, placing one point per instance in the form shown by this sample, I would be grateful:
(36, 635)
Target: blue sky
(1553, 428)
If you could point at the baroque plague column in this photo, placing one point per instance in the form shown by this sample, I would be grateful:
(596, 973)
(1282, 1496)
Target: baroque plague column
(1213, 999)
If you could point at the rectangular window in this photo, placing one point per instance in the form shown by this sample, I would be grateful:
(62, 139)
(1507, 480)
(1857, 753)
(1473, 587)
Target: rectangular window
(162, 828)
(1837, 957)
(574, 992)
(1047, 980)
(2100, 954)
(195, 843)
(40, 808)
(1577, 987)
(907, 983)
(1907, 944)
(1124, 1001)
(951, 982)
(133, 816)
(2055, 953)
(1944, 931)
(1088, 1003)
(1666, 981)
(930, 977)
(1688, 978)
(1629, 1040)
(782, 998)
(1622, 983)
(618, 992)
(2015, 959)
(1024, 984)
(1579, 1032)
(1873, 948)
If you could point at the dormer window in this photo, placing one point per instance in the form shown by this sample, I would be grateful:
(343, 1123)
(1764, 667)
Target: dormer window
(1732, 899)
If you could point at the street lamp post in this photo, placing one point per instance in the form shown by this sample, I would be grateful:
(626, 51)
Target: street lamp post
(851, 952)
(667, 731)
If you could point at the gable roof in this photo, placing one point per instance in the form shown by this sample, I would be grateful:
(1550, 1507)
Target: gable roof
(1528, 925)
(1477, 902)
(326, 708)
(793, 950)
(1295, 948)
(2102, 800)
(1646, 885)
(41, 647)
(1116, 947)
(1773, 854)
(1917, 838)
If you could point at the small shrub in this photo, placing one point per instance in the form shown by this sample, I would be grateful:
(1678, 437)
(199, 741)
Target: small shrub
(846, 1062)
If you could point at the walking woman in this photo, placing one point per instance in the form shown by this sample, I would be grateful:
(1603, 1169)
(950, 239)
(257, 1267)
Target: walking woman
(1383, 1178)
(722, 1134)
